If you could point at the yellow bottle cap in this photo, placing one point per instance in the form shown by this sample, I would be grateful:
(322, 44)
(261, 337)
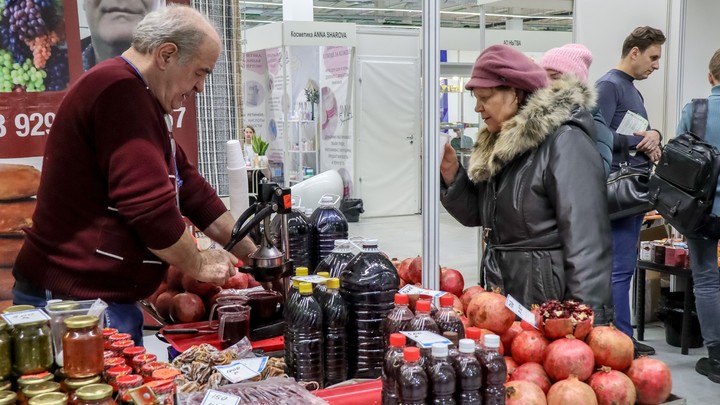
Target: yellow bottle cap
(296, 284)
(324, 274)
(306, 288)
(333, 283)
(301, 271)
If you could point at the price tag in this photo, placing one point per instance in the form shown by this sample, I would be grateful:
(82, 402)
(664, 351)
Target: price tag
(411, 289)
(310, 279)
(426, 339)
(219, 398)
(31, 315)
(243, 369)
(519, 310)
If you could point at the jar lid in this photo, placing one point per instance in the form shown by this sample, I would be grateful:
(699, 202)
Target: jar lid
(7, 397)
(109, 354)
(94, 392)
(81, 321)
(107, 332)
(17, 308)
(165, 374)
(63, 306)
(133, 351)
(5, 385)
(50, 398)
(33, 379)
(117, 371)
(121, 345)
(114, 361)
(148, 368)
(37, 389)
(75, 383)
(119, 336)
(3, 325)
(129, 381)
(161, 387)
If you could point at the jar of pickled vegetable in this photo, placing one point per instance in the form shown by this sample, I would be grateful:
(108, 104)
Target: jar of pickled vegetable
(32, 347)
(7, 397)
(17, 308)
(51, 398)
(5, 351)
(71, 385)
(95, 394)
(82, 347)
(125, 384)
(34, 390)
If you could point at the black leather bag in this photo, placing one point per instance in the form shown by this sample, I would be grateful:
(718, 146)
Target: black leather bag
(627, 188)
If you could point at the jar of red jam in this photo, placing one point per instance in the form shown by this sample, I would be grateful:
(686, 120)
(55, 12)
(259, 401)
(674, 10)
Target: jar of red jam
(116, 337)
(112, 374)
(120, 345)
(125, 384)
(165, 374)
(71, 385)
(164, 390)
(147, 370)
(113, 362)
(82, 347)
(51, 398)
(141, 360)
(95, 394)
(107, 332)
(131, 352)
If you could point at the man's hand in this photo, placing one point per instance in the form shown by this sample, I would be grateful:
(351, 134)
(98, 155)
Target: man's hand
(449, 165)
(650, 142)
(216, 266)
(655, 154)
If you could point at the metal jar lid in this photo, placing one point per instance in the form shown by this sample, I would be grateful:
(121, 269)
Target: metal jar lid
(75, 383)
(7, 397)
(28, 380)
(17, 308)
(44, 388)
(63, 306)
(81, 321)
(51, 398)
(94, 392)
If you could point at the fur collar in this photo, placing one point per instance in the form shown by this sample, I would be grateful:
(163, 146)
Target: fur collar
(545, 111)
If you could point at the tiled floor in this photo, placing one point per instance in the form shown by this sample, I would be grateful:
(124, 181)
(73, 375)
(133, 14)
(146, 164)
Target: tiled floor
(402, 237)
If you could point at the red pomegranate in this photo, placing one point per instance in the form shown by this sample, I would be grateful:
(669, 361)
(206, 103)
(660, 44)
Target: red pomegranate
(510, 365)
(468, 294)
(415, 270)
(569, 356)
(186, 307)
(403, 270)
(487, 310)
(566, 318)
(466, 322)
(523, 393)
(457, 305)
(534, 373)
(451, 281)
(529, 346)
(510, 334)
(612, 387)
(535, 309)
(652, 380)
(611, 347)
(571, 391)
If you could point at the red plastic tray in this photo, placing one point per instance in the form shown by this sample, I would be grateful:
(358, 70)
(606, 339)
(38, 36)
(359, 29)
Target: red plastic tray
(184, 342)
(365, 393)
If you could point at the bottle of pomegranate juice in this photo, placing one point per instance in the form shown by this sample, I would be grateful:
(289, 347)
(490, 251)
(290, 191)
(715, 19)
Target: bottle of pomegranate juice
(412, 379)
(494, 371)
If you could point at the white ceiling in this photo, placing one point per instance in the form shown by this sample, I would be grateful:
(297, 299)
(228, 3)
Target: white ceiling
(554, 15)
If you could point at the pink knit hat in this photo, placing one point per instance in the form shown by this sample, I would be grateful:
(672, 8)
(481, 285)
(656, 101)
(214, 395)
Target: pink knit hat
(571, 58)
(500, 65)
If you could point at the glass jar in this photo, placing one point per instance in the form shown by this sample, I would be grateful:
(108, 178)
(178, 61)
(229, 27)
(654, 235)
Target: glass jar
(51, 398)
(119, 345)
(32, 348)
(142, 359)
(7, 397)
(131, 352)
(147, 370)
(82, 347)
(113, 362)
(5, 385)
(34, 390)
(166, 374)
(95, 394)
(107, 332)
(125, 384)
(164, 390)
(5, 351)
(112, 374)
(71, 385)
(17, 308)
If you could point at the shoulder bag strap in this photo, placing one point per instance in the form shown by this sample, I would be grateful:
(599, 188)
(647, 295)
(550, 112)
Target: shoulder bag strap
(625, 148)
(699, 117)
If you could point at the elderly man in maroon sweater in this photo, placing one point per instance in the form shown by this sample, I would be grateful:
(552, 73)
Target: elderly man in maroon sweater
(115, 186)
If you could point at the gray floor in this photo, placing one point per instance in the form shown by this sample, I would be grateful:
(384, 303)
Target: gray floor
(401, 237)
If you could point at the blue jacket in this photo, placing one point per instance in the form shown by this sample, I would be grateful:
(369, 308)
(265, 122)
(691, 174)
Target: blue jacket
(604, 142)
(712, 131)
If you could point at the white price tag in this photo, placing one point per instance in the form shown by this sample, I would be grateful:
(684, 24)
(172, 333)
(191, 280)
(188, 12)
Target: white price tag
(219, 398)
(426, 339)
(31, 315)
(412, 289)
(310, 279)
(243, 369)
(519, 310)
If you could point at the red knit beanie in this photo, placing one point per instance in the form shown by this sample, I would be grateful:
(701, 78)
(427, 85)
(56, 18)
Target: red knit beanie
(501, 65)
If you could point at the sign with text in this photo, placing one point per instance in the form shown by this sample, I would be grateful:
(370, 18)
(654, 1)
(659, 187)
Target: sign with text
(314, 33)
(213, 397)
(22, 317)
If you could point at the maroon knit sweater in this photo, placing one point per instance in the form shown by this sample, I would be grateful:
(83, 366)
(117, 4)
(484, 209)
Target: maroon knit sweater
(107, 192)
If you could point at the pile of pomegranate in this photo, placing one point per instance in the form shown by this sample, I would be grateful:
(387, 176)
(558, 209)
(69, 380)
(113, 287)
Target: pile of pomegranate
(182, 299)
(566, 360)
(451, 280)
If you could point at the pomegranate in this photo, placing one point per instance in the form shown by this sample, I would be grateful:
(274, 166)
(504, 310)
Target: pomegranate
(415, 270)
(487, 310)
(186, 307)
(510, 334)
(153, 297)
(612, 387)
(468, 294)
(162, 304)
(534, 373)
(568, 356)
(451, 281)
(239, 281)
(174, 279)
(523, 393)
(466, 322)
(395, 262)
(457, 306)
(200, 288)
(252, 282)
(510, 365)
(571, 391)
(535, 309)
(529, 346)
(611, 347)
(567, 318)
(403, 270)
(652, 380)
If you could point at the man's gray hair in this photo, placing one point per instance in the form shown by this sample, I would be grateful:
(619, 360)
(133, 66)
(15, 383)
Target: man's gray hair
(176, 24)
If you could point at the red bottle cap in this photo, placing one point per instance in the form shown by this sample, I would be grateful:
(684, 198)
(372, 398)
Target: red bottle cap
(473, 333)
(422, 306)
(401, 299)
(411, 353)
(447, 300)
(117, 371)
(397, 340)
(129, 381)
(133, 351)
(119, 336)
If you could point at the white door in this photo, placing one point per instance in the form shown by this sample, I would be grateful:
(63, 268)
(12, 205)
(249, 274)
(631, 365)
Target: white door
(388, 136)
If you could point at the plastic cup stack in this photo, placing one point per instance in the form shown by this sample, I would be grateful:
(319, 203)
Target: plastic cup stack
(237, 178)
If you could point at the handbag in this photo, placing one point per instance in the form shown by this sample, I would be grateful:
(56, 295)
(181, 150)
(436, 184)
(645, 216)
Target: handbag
(627, 189)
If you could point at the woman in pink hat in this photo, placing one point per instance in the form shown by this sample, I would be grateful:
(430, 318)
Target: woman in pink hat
(535, 183)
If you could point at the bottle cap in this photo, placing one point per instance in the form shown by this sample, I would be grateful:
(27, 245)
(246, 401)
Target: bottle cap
(397, 340)
(467, 346)
(340, 242)
(34, 390)
(306, 288)
(422, 306)
(473, 333)
(411, 354)
(451, 336)
(333, 283)
(439, 350)
(301, 271)
(446, 300)
(370, 242)
(326, 200)
(491, 341)
(296, 284)
(324, 274)
(401, 299)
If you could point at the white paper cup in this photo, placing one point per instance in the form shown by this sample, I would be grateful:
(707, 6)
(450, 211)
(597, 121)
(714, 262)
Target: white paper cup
(444, 139)
(235, 157)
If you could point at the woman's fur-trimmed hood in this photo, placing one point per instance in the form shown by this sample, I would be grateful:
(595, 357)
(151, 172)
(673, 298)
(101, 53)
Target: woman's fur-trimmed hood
(545, 111)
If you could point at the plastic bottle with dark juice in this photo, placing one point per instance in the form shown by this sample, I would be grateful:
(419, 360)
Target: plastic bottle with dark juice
(328, 224)
(368, 285)
(306, 325)
(299, 235)
(446, 318)
(468, 374)
(288, 337)
(391, 367)
(422, 319)
(494, 371)
(335, 317)
(441, 376)
(336, 261)
(319, 289)
(399, 318)
(412, 380)
(475, 334)
(453, 351)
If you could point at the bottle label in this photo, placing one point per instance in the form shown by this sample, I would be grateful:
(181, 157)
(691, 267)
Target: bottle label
(243, 369)
(411, 289)
(310, 279)
(519, 310)
(426, 339)
(219, 398)
(31, 315)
